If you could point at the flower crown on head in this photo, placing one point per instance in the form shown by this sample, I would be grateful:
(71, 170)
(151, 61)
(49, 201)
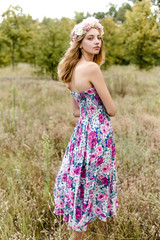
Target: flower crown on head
(84, 26)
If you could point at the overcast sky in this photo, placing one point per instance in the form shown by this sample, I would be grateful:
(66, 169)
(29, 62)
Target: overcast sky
(59, 8)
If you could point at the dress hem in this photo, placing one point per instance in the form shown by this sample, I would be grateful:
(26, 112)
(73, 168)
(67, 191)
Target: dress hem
(80, 229)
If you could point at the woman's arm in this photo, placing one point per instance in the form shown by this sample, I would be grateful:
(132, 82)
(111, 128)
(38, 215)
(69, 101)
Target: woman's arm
(95, 76)
(75, 107)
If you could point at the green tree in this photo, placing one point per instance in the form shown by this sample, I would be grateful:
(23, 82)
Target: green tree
(53, 40)
(142, 35)
(4, 59)
(112, 12)
(112, 42)
(99, 15)
(120, 16)
(79, 16)
(28, 49)
(15, 31)
(154, 2)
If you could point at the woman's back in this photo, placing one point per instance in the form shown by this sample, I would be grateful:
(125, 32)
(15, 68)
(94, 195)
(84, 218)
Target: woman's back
(80, 81)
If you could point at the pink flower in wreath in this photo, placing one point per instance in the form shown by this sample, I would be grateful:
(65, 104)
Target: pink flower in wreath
(86, 26)
(99, 26)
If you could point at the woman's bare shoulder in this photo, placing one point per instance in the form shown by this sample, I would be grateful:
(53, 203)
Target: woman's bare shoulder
(90, 66)
(87, 68)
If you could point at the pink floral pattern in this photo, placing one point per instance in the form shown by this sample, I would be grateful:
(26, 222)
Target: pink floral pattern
(86, 184)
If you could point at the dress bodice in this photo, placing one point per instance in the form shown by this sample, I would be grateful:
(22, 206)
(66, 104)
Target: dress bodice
(89, 102)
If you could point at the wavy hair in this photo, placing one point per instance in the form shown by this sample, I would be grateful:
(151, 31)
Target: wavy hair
(71, 58)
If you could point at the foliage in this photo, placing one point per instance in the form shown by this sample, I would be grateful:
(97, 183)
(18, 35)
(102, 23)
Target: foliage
(120, 16)
(154, 2)
(112, 42)
(112, 12)
(15, 31)
(99, 15)
(141, 35)
(131, 35)
(53, 41)
(79, 16)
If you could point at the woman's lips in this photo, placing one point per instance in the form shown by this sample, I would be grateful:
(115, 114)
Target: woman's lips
(97, 47)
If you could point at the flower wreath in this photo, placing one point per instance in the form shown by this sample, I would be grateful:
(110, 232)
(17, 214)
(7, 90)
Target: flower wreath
(81, 28)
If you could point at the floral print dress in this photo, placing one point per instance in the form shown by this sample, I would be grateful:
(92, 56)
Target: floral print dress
(85, 186)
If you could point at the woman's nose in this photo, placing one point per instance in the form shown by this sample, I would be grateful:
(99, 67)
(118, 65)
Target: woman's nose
(97, 40)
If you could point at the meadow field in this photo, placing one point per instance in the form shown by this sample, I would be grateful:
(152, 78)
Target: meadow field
(36, 122)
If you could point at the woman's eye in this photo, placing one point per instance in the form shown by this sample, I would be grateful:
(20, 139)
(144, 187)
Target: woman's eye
(90, 38)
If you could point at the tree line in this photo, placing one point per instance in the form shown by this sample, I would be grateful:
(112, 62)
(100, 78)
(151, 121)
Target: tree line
(131, 36)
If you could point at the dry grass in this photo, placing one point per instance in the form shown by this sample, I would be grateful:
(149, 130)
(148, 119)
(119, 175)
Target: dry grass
(35, 125)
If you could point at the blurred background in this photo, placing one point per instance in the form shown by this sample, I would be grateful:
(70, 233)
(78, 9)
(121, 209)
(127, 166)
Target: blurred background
(131, 32)
(36, 119)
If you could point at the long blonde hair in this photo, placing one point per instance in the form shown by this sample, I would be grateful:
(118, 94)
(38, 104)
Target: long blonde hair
(71, 58)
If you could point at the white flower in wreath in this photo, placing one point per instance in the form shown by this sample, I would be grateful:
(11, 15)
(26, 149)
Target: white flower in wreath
(85, 26)
(78, 30)
(91, 20)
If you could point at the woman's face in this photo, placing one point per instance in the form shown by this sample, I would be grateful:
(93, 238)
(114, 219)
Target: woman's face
(92, 42)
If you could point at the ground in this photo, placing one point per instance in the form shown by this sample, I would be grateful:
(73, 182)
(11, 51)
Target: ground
(36, 122)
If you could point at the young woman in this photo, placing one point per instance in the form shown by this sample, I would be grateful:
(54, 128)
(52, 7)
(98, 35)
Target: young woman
(85, 187)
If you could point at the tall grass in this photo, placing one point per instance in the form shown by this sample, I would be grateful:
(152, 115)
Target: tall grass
(36, 123)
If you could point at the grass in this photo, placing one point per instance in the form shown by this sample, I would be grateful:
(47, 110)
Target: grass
(36, 123)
